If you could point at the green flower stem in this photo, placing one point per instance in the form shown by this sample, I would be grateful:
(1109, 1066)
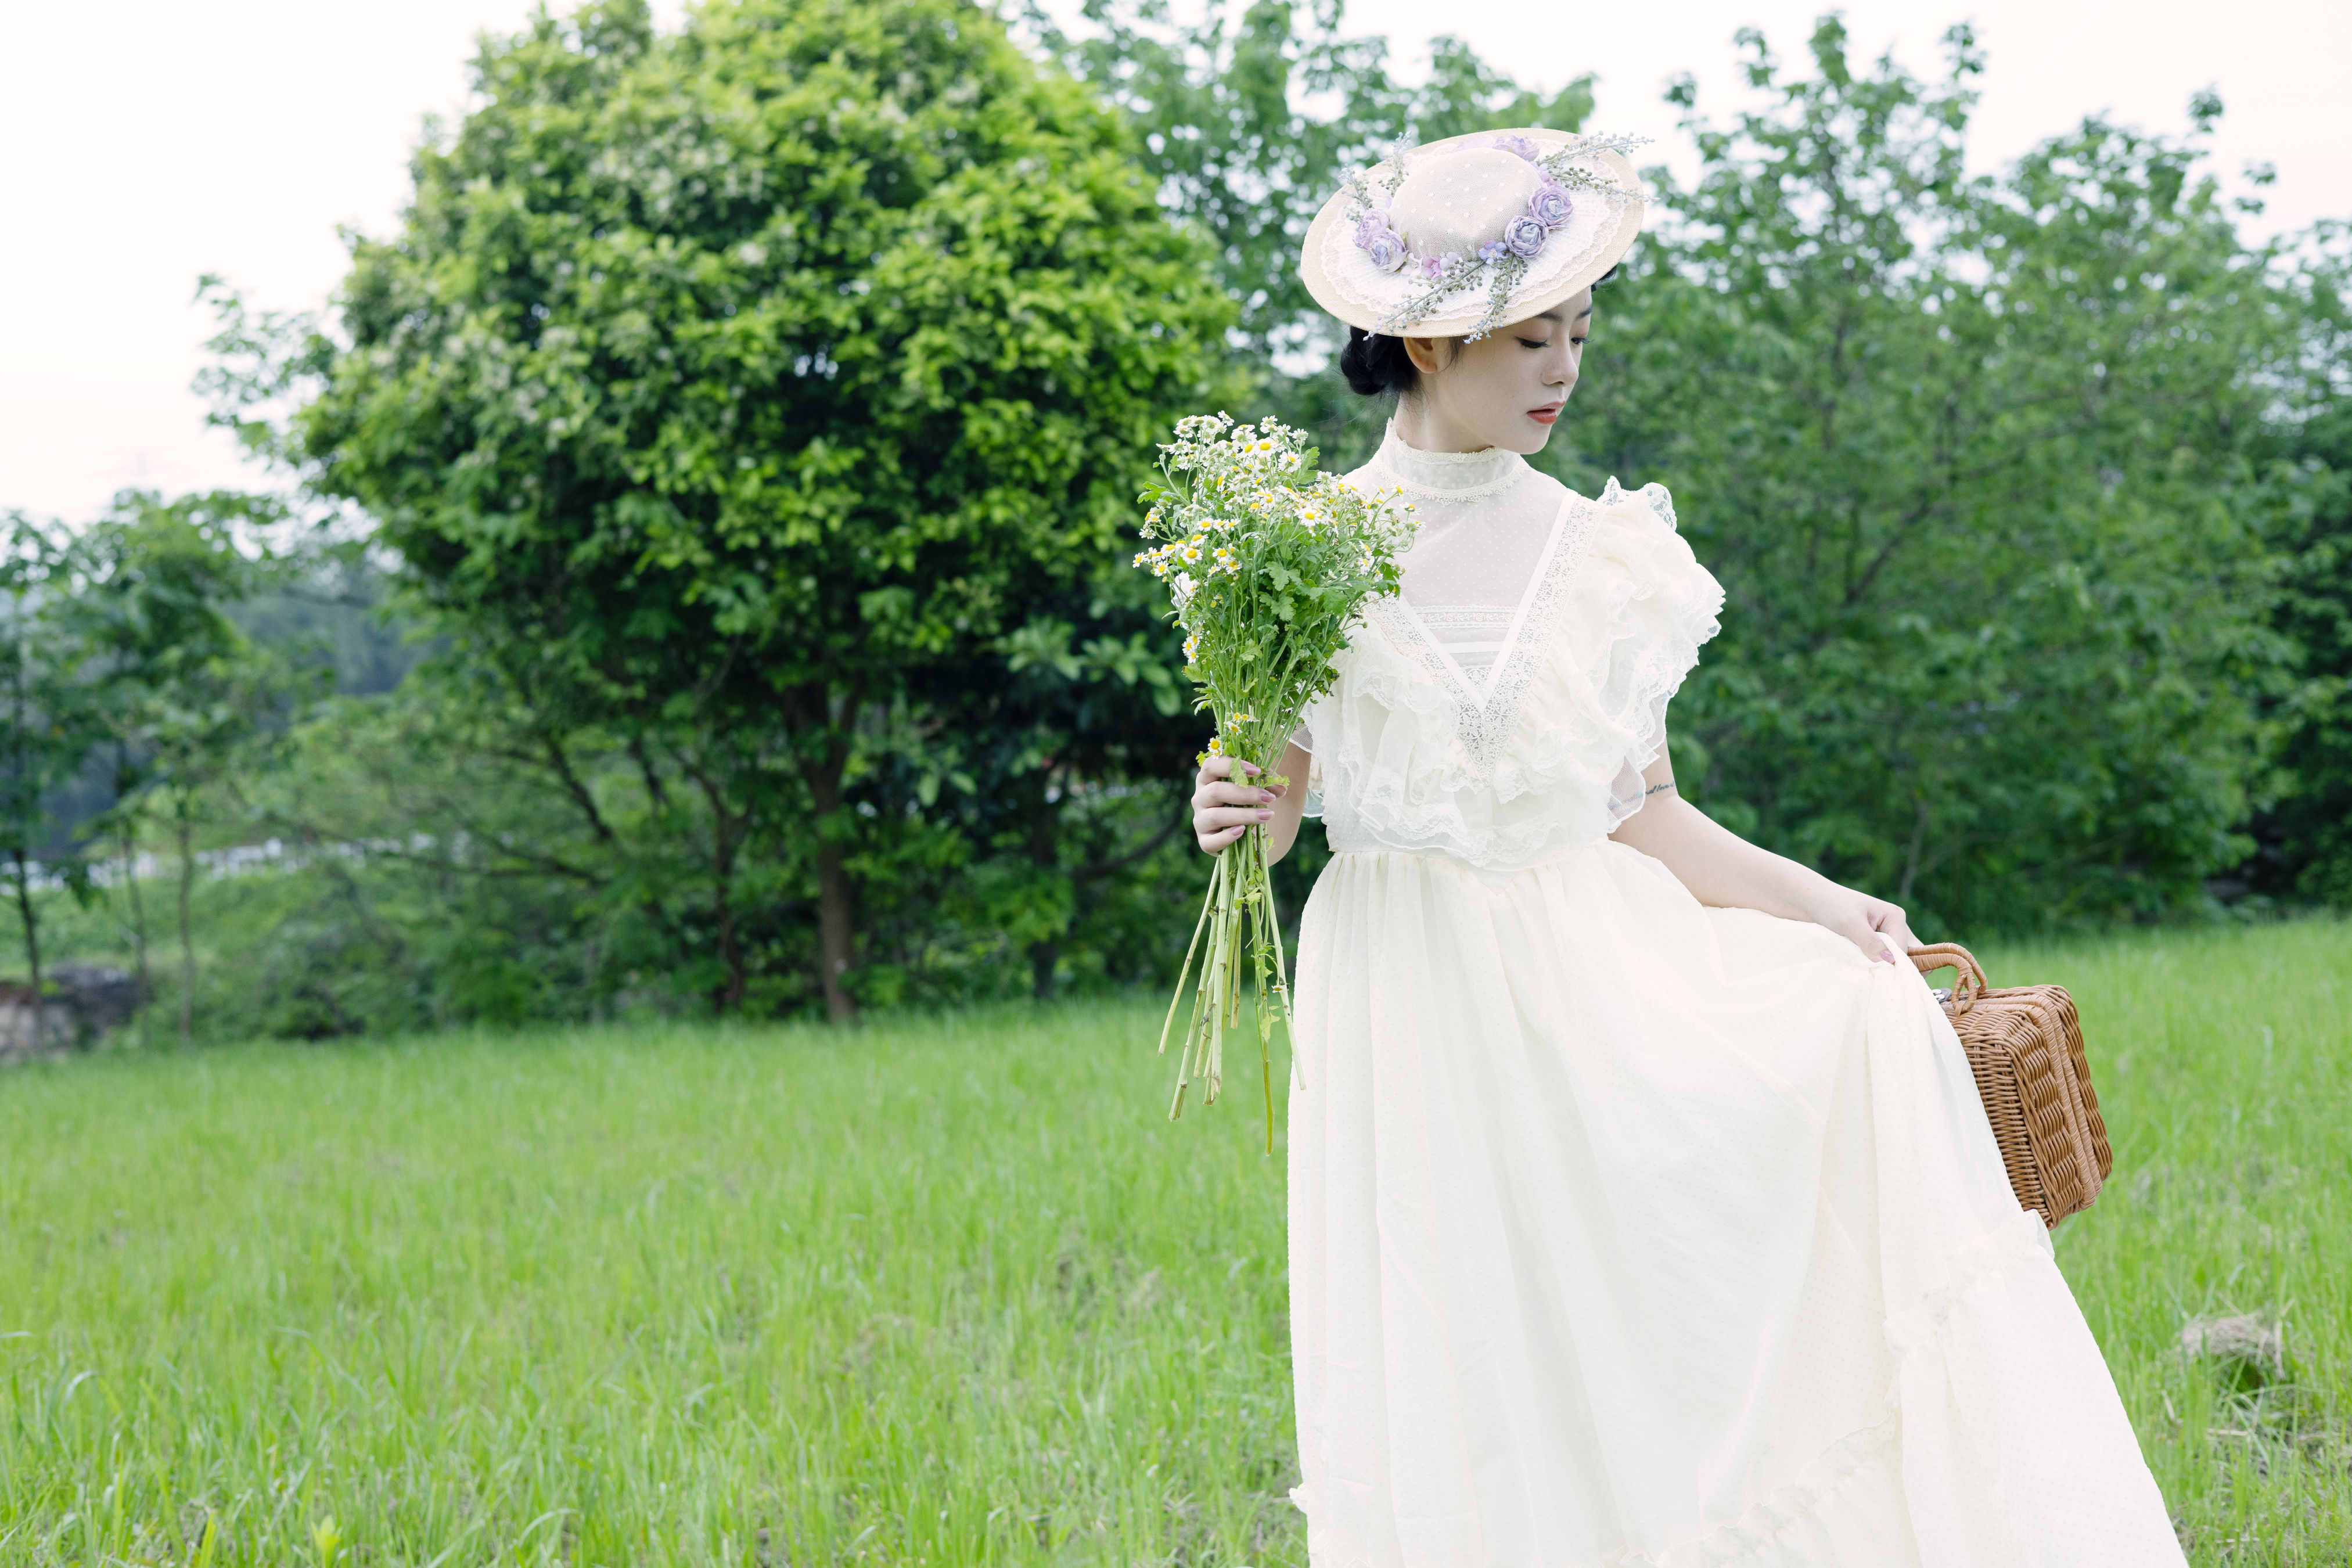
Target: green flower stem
(1208, 903)
(1245, 930)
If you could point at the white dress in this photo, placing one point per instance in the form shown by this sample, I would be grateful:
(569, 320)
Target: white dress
(1625, 1230)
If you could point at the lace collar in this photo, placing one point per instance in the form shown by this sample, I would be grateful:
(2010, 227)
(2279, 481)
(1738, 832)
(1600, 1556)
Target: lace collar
(1446, 476)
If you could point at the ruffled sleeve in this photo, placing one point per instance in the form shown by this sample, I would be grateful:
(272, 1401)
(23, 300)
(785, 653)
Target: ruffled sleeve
(1549, 757)
(1653, 606)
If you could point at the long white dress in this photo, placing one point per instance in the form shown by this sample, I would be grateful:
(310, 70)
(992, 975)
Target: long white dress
(1625, 1230)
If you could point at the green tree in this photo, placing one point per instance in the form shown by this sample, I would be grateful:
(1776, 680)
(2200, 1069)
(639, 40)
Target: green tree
(1073, 750)
(45, 732)
(2305, 840)
(716, 382)
(454, 884)
(1978, 462)
(167, 680)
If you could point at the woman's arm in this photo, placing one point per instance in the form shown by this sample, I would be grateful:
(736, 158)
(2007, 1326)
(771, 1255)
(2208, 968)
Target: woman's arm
(1223, 808)
(1722, 868)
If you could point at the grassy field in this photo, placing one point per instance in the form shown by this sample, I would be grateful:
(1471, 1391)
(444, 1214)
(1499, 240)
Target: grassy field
(938, 1292)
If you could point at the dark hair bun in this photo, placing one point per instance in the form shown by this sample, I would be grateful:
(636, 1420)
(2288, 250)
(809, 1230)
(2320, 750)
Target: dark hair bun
(1374, 362)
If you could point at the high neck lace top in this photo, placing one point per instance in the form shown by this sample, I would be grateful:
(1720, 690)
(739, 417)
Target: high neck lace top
(1453, 476)
(1502, 709)
(1484, 519)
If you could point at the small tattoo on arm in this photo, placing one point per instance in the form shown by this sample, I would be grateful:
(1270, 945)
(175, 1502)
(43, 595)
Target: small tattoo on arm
(1655, 789)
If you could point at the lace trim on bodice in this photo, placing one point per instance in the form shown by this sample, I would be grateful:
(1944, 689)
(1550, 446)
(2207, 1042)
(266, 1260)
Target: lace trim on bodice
(1485, 715)
(1466, 617)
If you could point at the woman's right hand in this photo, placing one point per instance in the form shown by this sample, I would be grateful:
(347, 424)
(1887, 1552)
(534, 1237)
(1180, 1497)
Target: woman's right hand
(1224, 807)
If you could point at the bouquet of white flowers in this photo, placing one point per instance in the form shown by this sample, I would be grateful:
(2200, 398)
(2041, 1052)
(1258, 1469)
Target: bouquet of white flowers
(1268, 560)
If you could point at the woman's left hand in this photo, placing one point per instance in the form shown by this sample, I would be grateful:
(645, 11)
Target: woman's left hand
(1872, 924)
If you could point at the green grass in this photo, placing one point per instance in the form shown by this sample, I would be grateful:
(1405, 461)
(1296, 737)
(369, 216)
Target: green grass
(939, 1292)
(2224, 1066)
(932, 1293)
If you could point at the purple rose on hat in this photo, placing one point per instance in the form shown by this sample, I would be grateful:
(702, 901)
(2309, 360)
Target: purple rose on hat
(1550, 204)
(1376, 239)
(1525, 235)
(1518, 145)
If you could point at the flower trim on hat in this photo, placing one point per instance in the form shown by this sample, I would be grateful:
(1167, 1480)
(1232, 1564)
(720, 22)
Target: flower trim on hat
(1504, 259)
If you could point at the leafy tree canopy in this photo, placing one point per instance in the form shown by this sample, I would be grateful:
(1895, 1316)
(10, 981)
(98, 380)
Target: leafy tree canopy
(1985, 465)
(719, 381)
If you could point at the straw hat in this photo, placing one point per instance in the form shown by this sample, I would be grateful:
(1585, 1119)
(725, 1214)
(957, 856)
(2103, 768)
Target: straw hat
(1472, 233)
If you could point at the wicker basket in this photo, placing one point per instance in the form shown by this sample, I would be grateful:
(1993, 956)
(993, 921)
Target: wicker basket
(2025, 1046)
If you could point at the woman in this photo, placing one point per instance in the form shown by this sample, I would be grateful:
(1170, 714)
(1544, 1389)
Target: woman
(1641, 1208)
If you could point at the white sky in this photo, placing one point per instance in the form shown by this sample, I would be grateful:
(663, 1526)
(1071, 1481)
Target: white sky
(143, 143)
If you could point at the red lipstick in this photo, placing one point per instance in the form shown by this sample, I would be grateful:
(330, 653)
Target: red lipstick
(1546, 415)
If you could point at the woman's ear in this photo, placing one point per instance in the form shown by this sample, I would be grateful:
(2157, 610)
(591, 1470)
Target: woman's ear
(1428, 354)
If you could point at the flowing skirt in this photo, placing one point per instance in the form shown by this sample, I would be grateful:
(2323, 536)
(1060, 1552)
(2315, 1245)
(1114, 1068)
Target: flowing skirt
(1627, 1231)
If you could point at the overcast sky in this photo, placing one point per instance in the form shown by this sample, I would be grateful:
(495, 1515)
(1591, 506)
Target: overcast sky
(143, 144)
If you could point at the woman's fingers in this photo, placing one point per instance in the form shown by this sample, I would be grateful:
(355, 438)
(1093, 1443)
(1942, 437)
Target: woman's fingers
(1857, 929)
(1875, 927)
(1227, 802)
(1222, 794)
(1890, 920)
(1223, 768)
(1227, 822)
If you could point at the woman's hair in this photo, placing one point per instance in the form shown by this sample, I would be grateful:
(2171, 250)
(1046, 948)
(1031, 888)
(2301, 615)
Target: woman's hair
(1375, 363)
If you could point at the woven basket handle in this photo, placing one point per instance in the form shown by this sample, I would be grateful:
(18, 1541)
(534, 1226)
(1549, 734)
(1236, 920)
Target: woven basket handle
(1967, 985)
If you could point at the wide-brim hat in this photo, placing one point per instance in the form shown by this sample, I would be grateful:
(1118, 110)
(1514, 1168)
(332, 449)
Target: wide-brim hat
(1462, 235)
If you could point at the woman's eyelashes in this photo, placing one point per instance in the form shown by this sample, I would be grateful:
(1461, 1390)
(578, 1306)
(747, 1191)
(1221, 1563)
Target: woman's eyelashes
(1535, 343)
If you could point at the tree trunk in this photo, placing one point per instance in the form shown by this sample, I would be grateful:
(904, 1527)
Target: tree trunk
(729, 995)
(835, 922)
(138, 930)
(32, 947)
(1911, 860)
(1044, 855)
(187, 937)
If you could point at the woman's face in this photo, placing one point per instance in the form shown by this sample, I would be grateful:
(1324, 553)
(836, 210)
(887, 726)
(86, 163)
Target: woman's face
(1505, 390)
